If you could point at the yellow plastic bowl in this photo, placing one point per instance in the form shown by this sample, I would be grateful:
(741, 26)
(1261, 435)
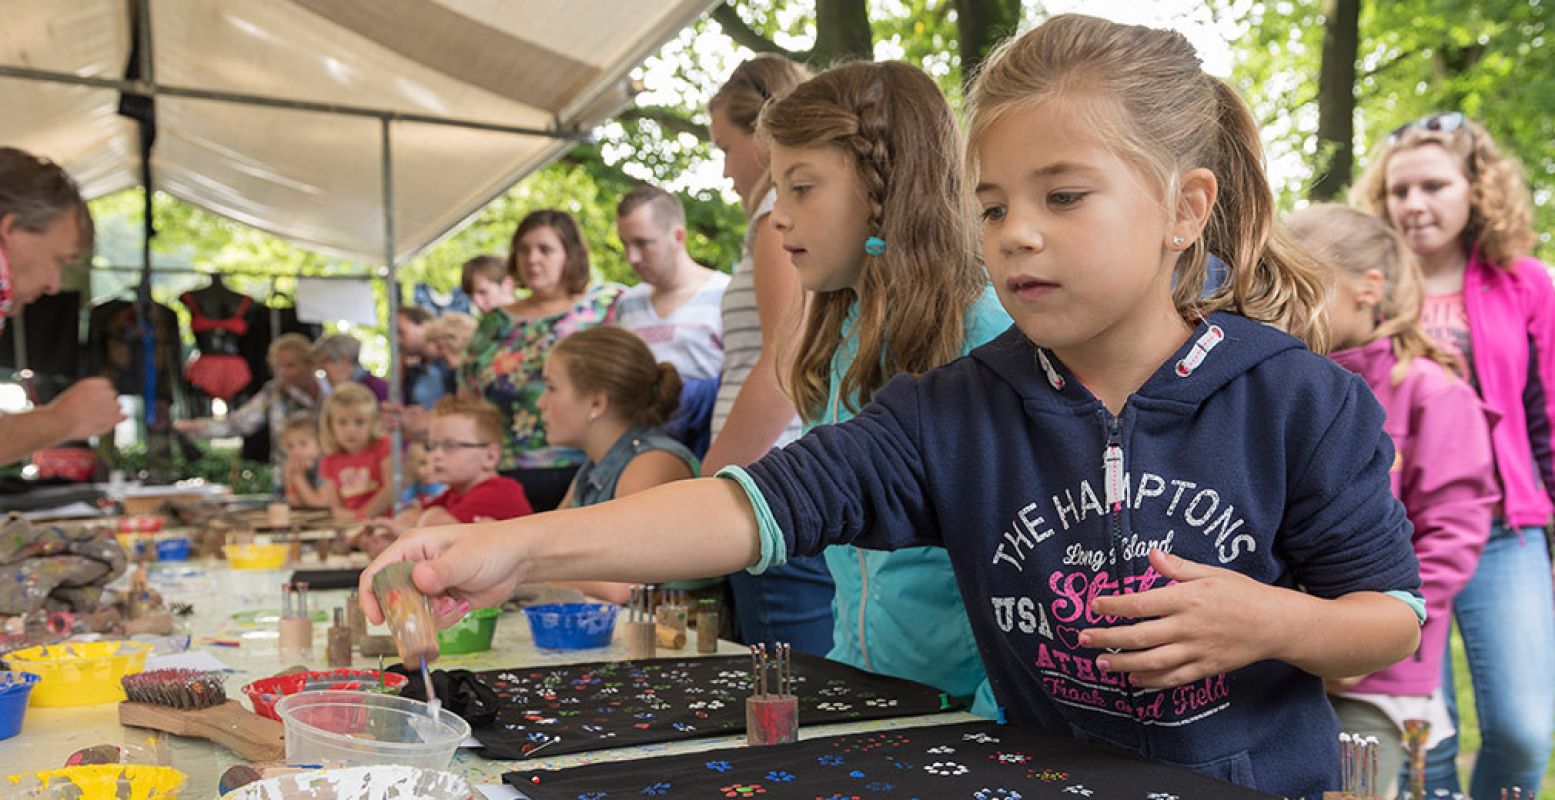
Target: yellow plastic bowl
(80, 673)
(256, 556)
(101, 782)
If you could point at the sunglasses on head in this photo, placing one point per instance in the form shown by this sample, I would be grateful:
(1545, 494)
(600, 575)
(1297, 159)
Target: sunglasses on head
(1445, 122)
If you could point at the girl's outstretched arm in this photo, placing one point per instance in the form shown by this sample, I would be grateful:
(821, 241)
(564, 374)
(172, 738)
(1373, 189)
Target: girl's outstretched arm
(682, 530)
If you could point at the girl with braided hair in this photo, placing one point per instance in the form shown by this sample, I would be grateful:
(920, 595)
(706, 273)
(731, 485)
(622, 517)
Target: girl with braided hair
(877, 228)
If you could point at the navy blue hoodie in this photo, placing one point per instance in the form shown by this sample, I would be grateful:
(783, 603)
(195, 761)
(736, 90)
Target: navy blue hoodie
(1244, 451)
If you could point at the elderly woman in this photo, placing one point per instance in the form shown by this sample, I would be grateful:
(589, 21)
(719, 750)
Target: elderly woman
(337, 356)
(294, 389)
(503, 362)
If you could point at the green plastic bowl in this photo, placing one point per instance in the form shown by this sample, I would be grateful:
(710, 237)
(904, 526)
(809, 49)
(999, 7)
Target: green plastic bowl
(471, 634)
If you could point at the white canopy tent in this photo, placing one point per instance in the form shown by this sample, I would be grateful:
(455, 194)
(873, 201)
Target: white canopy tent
(366, 129)
(477, 94)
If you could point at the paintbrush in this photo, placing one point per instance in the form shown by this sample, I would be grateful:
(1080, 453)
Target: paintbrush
(187, 702)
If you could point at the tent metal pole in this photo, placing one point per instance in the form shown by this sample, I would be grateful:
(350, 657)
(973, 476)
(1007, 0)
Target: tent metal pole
(363, 276)
(152, 88)
(392, 285)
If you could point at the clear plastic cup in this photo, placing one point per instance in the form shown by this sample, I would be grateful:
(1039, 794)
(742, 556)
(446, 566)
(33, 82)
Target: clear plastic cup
(363, 729)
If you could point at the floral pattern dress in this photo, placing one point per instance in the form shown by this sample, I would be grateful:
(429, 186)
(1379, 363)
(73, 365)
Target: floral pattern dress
(503, 366)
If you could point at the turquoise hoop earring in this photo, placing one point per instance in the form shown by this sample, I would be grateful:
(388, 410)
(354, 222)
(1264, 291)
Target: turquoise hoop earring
(874, 246)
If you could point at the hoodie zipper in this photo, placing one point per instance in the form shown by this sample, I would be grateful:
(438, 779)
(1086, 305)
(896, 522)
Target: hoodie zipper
(1113, 480)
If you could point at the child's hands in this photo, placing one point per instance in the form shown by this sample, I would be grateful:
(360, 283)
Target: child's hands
(1211, 621)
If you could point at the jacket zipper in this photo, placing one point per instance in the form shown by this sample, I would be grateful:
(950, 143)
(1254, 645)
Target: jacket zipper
(1113, 480)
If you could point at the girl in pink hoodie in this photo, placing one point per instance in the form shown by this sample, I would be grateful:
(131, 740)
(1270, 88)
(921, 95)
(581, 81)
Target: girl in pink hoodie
(1442, 469)
(1464, 209)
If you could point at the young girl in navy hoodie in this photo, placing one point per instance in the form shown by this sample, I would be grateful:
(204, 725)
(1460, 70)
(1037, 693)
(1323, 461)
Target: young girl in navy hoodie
(1443, 473)
(1131, 485)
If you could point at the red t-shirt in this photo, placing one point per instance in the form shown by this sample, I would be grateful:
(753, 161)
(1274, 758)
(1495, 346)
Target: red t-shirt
(496, 497)
(357, 476)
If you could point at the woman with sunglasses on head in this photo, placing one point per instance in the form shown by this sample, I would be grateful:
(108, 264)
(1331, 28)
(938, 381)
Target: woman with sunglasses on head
(1464, 208)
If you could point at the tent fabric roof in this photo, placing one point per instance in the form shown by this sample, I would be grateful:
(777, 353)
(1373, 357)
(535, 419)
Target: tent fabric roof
(314, 177)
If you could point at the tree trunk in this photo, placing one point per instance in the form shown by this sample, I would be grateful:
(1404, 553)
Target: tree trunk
(1336, 99)
(842, 33)
(981, 24)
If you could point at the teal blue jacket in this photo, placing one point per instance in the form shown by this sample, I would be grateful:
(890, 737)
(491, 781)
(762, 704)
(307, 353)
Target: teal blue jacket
(900, 613)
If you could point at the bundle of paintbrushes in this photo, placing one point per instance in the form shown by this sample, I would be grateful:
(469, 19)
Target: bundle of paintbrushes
(1357, 768)
(1416, 732)
(772, 717)
(187, 702)
(296, 622)
(640, 631)
(708, 623)
(670, 620)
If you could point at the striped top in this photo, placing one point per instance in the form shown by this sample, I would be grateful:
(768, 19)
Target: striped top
(742, 329)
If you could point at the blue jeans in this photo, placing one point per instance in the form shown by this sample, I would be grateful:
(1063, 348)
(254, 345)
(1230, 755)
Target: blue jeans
(1506, 615)
(790, 603)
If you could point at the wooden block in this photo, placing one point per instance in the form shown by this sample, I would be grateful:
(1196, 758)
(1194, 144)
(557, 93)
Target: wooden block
(641, 640)
(771, 719)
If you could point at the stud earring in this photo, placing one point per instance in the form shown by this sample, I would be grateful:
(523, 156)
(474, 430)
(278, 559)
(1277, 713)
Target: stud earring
(874, 246)
(1177, 241)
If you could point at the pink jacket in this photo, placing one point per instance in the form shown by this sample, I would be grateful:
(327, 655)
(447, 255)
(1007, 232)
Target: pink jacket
(1512, 329)
(1443, 473)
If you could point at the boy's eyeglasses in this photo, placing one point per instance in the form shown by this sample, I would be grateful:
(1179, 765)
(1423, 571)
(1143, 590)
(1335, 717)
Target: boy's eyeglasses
(450, 445)
(1445, 122)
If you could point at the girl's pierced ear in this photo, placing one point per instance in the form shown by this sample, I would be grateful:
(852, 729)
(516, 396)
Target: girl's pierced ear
(874, 246)
(1177, 241)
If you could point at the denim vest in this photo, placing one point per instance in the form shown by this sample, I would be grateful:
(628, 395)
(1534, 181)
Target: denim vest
(596, 483)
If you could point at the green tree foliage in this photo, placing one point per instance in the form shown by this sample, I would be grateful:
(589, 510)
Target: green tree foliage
(1491, 60)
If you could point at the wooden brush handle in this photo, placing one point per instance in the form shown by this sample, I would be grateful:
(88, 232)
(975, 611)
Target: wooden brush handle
(252, 737)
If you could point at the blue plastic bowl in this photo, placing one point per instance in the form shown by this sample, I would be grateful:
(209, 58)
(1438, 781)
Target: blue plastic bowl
(15, 688)
(572, 626)
(176, 549)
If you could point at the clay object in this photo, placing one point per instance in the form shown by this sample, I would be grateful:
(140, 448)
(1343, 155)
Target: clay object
(708, 623)
(337, 653)
(159, 623)
(407, 613)
(96, 754)
(641, 640)
(79, 597)
(24, 586)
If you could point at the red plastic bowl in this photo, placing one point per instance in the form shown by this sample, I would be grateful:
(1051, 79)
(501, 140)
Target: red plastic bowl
(264, 692)
(142, 523)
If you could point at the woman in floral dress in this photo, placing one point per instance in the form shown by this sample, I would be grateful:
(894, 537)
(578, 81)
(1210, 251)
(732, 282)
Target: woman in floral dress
(547, 257)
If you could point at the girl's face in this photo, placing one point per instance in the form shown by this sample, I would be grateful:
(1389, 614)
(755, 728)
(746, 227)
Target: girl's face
(352, 428)
(822, 213)
(745, 158)
(490, 295)
(1429, 199)
(1352, 309)
(1075, 245)
(564, 410)
(541, 259)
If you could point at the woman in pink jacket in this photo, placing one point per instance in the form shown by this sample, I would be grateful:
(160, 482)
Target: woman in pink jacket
(1442, 470)
(1464, 209)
